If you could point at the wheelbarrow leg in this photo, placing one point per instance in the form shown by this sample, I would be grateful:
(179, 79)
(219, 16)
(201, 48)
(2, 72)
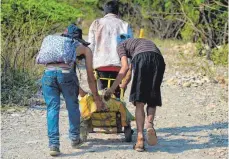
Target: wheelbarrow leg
(85, 128)
(128, 133)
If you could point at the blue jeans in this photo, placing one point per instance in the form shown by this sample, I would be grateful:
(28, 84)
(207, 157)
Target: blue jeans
(55, 82)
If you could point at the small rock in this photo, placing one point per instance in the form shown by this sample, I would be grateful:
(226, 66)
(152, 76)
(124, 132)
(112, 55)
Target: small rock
(186, 51)
(177, 73)
(171, 82)
(179, 82)
(15, 115)
(23, 111)
(32, 142)
(11, 110)
(206, 79)
(222, 153)
(195, 85)
(187, 84)
(211, 153)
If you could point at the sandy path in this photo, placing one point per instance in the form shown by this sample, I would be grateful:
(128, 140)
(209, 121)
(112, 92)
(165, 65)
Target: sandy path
(191, 124)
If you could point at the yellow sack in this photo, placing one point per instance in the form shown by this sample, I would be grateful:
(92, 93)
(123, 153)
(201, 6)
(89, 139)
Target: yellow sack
(103, 119)
(103, 123)
(88, 107)
(117, 106)
(104, 116)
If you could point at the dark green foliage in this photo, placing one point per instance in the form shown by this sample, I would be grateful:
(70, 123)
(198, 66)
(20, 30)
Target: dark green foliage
(17, 87)
(23, 25)
(220, 55)
(202, 21)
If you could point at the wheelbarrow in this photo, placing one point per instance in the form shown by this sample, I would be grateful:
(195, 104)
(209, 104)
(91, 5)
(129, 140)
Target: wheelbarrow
(116, 120)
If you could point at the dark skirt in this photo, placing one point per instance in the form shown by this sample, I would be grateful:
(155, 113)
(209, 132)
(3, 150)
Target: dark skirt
(148, 70)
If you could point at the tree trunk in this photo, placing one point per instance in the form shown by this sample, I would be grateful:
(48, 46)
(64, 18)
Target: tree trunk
(225, 37)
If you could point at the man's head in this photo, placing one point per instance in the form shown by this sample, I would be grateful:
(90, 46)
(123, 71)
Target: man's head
(111, 7)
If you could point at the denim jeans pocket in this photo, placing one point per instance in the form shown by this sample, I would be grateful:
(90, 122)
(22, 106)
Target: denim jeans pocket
(68, 79)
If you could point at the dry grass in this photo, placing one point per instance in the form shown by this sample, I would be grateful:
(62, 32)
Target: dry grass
(183, 57)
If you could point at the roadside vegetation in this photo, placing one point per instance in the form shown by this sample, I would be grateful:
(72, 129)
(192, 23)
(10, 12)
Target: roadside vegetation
(193, 31)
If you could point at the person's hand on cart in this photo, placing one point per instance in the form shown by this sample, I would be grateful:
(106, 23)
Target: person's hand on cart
(108, 94)
(100, 105)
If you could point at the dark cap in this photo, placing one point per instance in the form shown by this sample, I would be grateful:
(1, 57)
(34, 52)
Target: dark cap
(75, 32)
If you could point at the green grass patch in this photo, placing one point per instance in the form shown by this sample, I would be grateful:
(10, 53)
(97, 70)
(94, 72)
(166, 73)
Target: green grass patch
(18, 87)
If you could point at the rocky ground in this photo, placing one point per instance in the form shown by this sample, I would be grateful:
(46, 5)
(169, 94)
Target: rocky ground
(191, 124)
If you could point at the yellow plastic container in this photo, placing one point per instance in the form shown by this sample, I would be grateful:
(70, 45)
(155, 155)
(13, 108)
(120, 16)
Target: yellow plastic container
(141, 35)
(88, 107)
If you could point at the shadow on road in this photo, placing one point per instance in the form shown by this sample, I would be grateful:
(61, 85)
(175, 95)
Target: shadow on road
(180, 139)
(170, 140)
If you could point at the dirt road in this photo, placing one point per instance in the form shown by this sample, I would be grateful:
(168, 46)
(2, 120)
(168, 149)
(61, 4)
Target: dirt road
(191, 124)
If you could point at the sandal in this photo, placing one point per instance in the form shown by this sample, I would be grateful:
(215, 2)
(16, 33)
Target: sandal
(151, 136)
(139, 146)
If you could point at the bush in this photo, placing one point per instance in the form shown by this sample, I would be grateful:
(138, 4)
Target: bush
(220, 55)
(23, 25)
(18, 87)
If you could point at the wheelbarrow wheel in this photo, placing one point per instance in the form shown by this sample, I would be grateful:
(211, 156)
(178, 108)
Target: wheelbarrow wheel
(128, 133)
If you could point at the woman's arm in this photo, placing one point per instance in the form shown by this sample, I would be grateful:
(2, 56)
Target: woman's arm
(127, 78)
(90, 76)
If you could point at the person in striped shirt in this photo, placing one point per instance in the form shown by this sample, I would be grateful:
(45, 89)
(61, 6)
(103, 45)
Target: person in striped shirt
(148, 66)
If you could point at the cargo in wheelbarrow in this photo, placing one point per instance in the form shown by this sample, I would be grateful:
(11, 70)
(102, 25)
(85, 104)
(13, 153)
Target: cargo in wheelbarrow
(116, 119)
